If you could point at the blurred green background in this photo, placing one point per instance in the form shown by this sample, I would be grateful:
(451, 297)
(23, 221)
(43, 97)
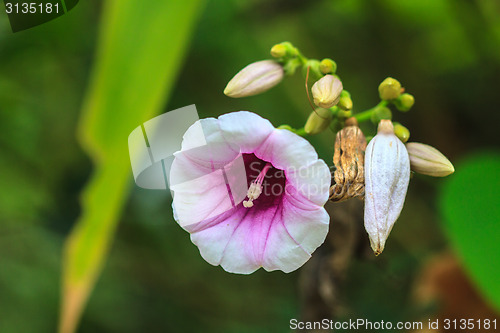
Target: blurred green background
(445, 52)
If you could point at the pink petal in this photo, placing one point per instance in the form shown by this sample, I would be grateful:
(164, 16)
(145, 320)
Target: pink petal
(295, 155)
(282, 237)
(307, 223)
(209, 194)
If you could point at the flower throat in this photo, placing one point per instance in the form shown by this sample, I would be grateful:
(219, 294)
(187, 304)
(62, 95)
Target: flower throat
(255, 188)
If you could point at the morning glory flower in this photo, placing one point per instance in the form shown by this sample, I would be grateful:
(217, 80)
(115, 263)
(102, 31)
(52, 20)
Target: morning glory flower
(249, 194)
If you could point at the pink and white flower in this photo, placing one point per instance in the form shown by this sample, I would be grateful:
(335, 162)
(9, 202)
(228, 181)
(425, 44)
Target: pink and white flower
(249, 194)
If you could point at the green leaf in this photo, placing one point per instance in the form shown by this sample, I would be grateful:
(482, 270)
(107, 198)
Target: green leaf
(140, 50)
(470, 207)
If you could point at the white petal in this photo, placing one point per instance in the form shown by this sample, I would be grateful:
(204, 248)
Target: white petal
(245, 129)
(311, 182)
(287, 151)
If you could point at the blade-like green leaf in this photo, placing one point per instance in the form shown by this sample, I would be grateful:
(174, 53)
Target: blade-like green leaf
(141, 45)
(470, 206)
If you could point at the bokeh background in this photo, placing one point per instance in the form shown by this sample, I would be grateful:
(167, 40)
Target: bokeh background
(442, 258)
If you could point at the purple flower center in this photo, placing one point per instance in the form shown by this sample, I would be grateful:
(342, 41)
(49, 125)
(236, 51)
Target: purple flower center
(265, 182)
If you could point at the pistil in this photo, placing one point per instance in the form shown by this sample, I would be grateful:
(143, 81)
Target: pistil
(255, 188)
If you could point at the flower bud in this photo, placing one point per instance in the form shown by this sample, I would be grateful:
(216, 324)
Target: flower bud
(327, 66)
(318, 121)
(336, 125)
(345, 101)
(314, 71)
(284, 49)
(401, 132)
(326, 91)
(404, 102)
(428, 160)
(387, 174)
(278, 51)
(389, 89)
(344, 114)
(254, 79)
(380, 113)
(348, 158)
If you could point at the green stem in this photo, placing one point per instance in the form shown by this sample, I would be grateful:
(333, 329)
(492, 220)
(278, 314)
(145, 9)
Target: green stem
(302, 59)
(300, 131)
(367, 114)
(364, 116)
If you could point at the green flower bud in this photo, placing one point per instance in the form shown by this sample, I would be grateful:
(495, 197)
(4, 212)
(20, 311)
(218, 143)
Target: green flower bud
(404, 102)
(427, 160)
(401, 132)
(318, 121)
(336, 125)
(380, 113)
(254, 79)
(278, 51)
(345, 101)
(326, 91)
(389, 89)
(344, 114)
(327, 66)
(291, 50)
(314, 72)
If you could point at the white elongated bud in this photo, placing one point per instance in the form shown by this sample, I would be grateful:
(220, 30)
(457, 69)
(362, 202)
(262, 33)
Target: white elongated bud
(428, 160)
(387, 174)
(326, 91)
(254, 79)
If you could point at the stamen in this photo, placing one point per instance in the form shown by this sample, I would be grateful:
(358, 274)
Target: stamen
(255, 188)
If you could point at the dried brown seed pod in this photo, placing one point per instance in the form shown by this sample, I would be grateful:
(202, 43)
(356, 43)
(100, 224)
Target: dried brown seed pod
(349, 160)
